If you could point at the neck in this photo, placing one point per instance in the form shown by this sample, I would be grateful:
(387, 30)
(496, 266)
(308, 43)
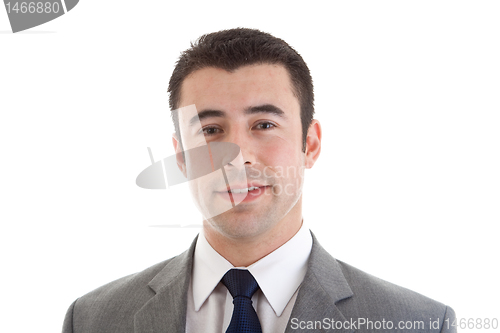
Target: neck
(244, 251)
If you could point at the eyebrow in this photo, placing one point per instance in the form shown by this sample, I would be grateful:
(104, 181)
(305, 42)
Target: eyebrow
(264, 108)
(206, 114)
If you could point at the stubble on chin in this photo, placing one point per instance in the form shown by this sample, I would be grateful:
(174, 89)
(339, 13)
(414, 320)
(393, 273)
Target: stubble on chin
(247, 223)
(252, 220)
(230, 226)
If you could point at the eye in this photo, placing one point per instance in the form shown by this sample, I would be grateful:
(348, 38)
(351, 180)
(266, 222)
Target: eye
(266, 125)
(211, 130)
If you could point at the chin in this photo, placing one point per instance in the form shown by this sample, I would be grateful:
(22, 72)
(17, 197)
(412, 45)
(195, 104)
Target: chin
(232, 226)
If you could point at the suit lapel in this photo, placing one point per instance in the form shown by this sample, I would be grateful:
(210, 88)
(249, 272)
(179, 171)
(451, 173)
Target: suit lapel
(324, 285)
(166, 311)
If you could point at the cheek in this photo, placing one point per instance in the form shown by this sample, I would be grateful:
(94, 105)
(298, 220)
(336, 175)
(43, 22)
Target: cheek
(281, 152)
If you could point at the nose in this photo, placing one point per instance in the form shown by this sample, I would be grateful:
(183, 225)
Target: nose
(243, 139)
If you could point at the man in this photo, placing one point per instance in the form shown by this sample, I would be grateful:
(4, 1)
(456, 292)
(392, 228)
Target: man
(254, 267)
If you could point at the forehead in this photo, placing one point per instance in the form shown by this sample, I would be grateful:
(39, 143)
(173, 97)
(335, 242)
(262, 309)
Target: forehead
(246, 86)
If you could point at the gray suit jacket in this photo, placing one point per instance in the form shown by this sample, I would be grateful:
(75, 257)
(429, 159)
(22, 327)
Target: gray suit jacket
(155, 300)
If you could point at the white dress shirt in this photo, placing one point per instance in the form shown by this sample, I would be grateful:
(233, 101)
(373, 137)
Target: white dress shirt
(279, 275)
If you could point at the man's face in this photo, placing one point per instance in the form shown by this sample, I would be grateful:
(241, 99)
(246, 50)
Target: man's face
(255, 108)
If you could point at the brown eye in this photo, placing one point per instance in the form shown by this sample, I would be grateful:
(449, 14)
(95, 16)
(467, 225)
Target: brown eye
(265, 125)
(208, 131)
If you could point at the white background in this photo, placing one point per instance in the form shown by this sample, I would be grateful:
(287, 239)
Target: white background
(406, 187)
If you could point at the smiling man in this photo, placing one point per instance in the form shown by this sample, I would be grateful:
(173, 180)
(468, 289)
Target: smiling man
(255, 267)
(255, 107)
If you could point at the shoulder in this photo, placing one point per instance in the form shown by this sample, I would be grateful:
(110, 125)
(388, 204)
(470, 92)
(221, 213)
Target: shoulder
(377, 299)
(360, 295)
(136, 284)
(111, 307)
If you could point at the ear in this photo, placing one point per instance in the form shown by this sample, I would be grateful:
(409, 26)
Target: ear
(179, 155)
(313, 143)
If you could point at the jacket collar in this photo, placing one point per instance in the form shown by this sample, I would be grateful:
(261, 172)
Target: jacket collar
(324, 285)
(166, 311)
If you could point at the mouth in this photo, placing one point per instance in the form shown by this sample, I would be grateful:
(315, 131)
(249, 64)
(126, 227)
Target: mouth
(239, 189)
(241, 194)
(244, 190)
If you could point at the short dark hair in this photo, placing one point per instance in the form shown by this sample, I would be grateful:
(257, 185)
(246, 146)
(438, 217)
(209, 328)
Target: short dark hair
(234, 48)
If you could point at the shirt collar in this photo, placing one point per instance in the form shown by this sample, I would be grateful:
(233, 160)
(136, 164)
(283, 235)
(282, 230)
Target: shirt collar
(278, 274)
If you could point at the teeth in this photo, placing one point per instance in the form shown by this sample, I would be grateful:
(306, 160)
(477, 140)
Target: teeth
(244, 190)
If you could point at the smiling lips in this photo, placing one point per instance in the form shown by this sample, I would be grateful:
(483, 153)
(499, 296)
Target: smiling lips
(239, 194)
(242, 188)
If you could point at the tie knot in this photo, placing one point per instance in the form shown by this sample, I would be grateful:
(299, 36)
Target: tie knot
(240, 282)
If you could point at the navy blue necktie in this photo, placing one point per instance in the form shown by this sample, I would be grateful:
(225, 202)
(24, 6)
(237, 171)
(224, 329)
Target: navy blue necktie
(242, 285)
